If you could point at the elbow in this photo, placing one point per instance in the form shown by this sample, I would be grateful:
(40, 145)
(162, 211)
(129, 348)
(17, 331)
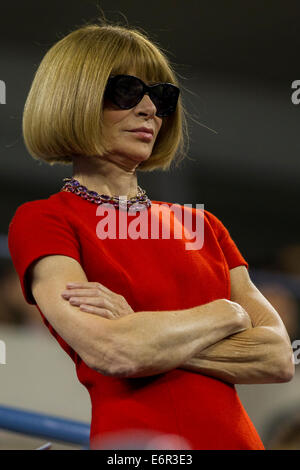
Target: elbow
(286, 373)
(285, 368)
(122, 353)
(113, 355)
(122, 369)
(113, 366)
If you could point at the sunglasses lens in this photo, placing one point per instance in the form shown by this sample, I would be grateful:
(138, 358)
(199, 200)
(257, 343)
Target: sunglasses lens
(165, 97)
(125, 91)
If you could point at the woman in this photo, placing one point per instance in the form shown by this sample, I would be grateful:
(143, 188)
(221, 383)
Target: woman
(159, 333)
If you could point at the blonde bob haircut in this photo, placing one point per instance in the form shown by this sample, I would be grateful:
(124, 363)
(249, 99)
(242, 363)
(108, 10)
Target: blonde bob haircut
(63, 112)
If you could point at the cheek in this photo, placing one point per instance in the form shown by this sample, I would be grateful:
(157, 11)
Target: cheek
(110, 118)
(112, 114)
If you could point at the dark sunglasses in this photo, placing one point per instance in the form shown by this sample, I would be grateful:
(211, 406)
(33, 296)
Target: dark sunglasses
(126, 91)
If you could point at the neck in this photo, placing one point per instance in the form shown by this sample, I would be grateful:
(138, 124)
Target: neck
(105, 176)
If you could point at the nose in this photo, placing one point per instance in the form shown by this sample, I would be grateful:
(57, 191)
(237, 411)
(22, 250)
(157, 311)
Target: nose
(146, 106)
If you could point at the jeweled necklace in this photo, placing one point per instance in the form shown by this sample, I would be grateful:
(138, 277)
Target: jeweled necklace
(140, 201)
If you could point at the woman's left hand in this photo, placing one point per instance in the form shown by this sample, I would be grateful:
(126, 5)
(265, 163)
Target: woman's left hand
(93, 297)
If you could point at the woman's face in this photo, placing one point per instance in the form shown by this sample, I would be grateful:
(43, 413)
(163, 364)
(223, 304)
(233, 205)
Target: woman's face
(118, 125)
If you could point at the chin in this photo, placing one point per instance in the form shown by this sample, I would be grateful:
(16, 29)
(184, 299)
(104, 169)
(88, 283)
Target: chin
(139, 156)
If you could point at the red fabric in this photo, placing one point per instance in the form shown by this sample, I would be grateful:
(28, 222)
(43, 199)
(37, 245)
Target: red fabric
(152, 274)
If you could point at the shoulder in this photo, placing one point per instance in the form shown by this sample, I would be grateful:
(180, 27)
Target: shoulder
(214, 222)
(199, 210)
(39, 218)
(25, 213)
(39, 207)
(205, 219)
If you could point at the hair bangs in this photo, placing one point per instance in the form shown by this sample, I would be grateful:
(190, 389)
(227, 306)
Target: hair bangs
(143, 61)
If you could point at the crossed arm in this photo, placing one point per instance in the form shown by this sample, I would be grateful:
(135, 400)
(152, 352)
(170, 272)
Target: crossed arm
(261, 354)
(243, 341)
(258, 352)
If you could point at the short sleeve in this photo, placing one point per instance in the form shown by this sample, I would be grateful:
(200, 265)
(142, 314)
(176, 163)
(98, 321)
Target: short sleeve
(37, 230)
(231, 252)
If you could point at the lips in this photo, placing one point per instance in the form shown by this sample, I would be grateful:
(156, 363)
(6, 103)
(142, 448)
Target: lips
(145, 130)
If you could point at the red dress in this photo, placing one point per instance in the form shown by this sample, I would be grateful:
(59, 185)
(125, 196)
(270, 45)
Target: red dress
(152, 274)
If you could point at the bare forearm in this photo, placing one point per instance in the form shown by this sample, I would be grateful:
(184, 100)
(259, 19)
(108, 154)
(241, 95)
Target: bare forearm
(255, 356)
(155, 342)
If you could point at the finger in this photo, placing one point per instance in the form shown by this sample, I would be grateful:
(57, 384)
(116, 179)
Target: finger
(102, 312)
(71, 285)
(93, 301)
(83, 292)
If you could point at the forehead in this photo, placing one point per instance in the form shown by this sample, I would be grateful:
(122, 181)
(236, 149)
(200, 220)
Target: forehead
(145, 79)
(149, 73)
